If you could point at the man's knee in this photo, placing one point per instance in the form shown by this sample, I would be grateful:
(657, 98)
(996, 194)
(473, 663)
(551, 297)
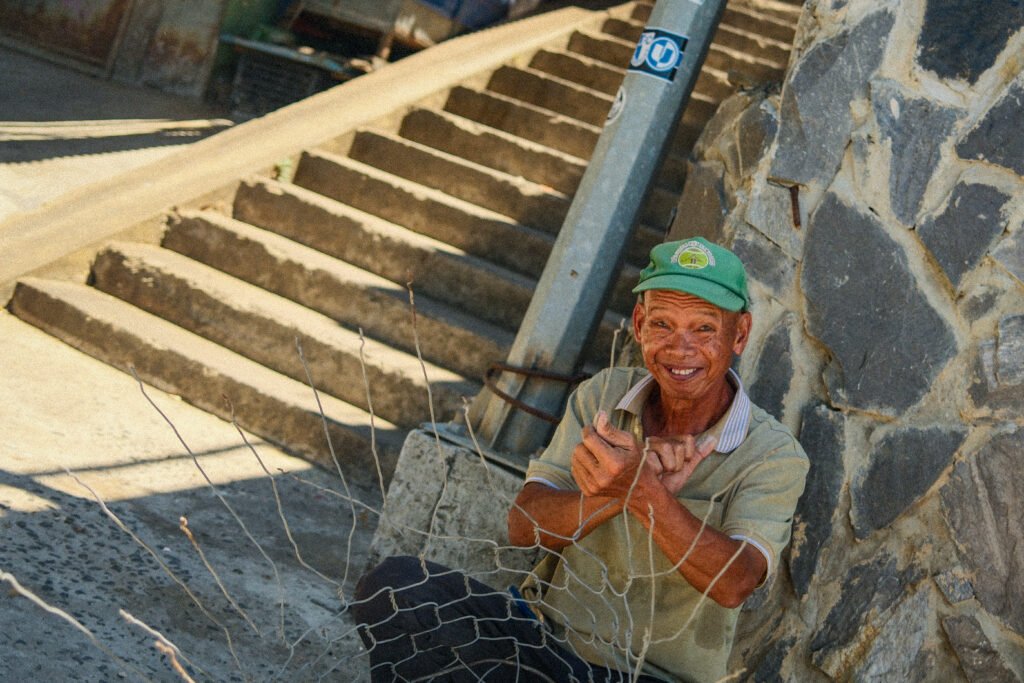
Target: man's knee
(392, 573)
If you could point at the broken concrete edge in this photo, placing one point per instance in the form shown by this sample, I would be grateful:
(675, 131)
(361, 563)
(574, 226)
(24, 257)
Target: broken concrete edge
(82, 220)
(448, 503)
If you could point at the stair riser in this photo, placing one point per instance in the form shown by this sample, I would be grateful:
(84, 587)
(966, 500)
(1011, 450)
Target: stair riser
(383, 314)
(270, 342)
(282, 423)
(436, 274)
(538, 89)
(597, 76)
(726, 36)
(780, 27)
(505, 243)
(544, 211)
(474, 143)
(619, 53)
(546, 128)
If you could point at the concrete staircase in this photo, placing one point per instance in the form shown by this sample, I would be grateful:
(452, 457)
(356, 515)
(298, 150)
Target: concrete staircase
(461, 197)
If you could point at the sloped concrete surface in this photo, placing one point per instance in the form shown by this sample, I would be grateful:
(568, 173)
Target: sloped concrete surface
(66, 410)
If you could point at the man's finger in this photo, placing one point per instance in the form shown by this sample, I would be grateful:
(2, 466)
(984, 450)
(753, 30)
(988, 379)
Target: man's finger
(616, 437)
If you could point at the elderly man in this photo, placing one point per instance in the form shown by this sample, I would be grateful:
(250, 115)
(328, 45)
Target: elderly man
(665, 498)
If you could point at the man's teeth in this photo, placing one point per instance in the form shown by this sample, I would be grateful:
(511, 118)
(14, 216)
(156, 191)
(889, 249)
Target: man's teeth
(683, 373)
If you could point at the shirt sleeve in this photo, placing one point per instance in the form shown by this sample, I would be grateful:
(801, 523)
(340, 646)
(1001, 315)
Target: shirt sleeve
(553, 467)
(761, 510)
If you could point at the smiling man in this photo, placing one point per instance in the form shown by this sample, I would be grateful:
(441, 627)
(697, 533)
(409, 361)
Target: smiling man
(665, 494)
(665, 499)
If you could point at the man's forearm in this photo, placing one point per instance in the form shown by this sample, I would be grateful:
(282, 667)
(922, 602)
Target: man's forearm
(708, 559)
(555, 518)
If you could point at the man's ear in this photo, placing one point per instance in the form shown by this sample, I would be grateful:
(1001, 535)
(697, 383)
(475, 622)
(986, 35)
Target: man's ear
(744, 321)
(639, 313)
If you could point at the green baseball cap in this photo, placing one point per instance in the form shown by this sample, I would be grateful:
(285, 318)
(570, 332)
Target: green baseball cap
(696, 266)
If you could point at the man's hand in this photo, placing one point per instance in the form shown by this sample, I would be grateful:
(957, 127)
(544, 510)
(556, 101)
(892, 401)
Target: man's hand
(675, 458)
(605, 462)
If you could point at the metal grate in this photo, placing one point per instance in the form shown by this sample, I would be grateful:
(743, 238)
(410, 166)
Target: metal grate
(264, 83)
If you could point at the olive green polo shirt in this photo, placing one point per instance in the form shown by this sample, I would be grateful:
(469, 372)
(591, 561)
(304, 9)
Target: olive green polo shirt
(614, 595)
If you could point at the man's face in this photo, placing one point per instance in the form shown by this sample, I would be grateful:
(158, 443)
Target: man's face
(687, 342)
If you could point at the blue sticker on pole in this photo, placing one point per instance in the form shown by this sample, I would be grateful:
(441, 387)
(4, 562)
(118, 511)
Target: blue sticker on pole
(658, 53)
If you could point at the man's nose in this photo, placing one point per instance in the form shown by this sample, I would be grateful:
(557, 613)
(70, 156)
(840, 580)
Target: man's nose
(682, 340)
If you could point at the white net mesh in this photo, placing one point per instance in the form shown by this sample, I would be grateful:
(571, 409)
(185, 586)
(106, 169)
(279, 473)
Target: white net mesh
(412, 619)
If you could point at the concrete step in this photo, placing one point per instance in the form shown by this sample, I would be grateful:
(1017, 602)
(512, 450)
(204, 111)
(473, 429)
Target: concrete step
(712, 85)
(552, 93)
(672, 174)
(587, 72)
(438, 271)
(771, 20)
(352, 296)
(526, 202)
(469, 227)
(777, 27)
(750, 43)
(617, 52)
(494, 148)
(524, 120)
(266, 327)
(170, 358)
(658, 208)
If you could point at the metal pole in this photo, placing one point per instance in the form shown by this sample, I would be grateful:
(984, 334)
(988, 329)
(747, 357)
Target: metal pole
(571, 294)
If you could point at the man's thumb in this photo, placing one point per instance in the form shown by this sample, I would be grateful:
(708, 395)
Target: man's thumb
(705, 445)
(606, 431)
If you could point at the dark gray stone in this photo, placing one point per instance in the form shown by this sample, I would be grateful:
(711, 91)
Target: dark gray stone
(902, 468)
(703, 205)
(869, 589)
(887, 343)
(764, 260)
(980, 661)
(769, 669)
(725, 117)
(770, 211)
(997, 139)
(755, 128)
(961, 235)
(962, 38)
(983, 504)
(1010, 351)
(986, 391)
(774, 368)
(916, 128)
(897, 650)
(954, 585)
(1010, 255)
(823, 437)
(815, 118)
(979, 304)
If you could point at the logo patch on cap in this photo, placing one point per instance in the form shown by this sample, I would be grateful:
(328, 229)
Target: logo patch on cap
(693, 256)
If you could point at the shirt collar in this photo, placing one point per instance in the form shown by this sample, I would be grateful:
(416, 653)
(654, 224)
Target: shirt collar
(731, 428)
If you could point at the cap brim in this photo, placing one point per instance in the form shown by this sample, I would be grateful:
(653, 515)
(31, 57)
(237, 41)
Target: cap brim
(709, 291)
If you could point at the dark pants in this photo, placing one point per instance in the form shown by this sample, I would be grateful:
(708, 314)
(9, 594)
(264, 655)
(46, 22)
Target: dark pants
(441, 625)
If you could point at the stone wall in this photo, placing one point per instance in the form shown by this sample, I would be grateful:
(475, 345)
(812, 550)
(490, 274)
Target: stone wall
(878, 201)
